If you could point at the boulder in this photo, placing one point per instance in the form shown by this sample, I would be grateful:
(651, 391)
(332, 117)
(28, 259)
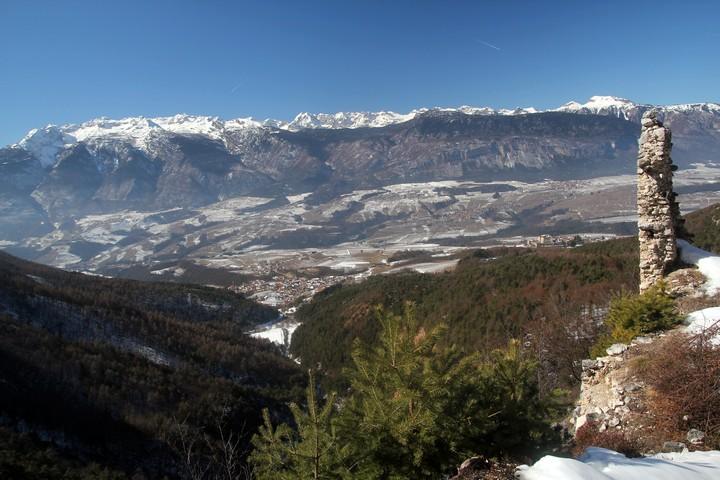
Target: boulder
(616, 349)
(674, 447)
(695, 436)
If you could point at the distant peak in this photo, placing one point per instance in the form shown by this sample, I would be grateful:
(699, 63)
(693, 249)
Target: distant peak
(609, 99)
(598, 102)
(44, 143)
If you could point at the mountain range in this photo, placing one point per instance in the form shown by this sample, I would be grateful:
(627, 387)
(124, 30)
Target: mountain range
(58, 177)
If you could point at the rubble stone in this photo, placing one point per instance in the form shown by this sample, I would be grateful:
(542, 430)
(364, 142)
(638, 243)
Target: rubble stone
(616, 349)
(695, 436)
(674, 447)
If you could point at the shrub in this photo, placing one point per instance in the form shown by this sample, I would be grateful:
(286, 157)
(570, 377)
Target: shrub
(589, 435)
(633, 315)
(684, 380)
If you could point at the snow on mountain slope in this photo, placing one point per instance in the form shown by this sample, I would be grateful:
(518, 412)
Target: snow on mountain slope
(45, 143)
(629, 110)
(381, 119)
(139, 128)
(603, 105)
(348, 119)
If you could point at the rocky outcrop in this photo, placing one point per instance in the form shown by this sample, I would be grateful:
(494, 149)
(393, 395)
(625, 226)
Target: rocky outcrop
(658, 213)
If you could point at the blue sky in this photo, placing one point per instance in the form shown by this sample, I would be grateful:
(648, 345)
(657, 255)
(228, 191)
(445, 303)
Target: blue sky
(70, 61)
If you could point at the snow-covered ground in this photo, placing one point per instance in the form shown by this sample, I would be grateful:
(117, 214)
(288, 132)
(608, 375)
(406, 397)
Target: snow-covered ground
(258, 236)
(279, 333)
(708, 264)
(602, 464)
(703, 320)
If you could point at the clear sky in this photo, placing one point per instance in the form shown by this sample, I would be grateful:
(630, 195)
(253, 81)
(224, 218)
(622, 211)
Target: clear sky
(70, 61)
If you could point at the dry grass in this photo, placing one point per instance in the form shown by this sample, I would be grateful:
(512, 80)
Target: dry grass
(683, 377)
(687, 304)
(589, 435)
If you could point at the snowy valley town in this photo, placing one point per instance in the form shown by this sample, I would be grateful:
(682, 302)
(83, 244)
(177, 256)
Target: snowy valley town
(494, 256)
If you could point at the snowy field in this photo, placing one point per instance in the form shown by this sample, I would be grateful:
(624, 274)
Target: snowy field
(279, 333)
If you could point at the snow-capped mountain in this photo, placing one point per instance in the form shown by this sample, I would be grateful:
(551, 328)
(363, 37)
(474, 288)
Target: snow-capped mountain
(596, 105)
(347, 120)
(108, 194)
(57, 174)
(46, 142)
(604, 105)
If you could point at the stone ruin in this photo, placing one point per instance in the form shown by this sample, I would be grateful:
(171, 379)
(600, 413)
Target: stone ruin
(659, 219)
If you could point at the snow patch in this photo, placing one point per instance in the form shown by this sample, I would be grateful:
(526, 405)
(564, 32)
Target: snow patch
(702, 320)
(601, 464)
(707, 263)
(279, 333)
(298, 198)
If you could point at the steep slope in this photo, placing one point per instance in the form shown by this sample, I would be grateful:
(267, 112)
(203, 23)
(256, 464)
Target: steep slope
(695, 126)
(103, 370)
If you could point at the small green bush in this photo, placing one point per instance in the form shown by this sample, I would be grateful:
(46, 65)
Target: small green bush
(632, 315)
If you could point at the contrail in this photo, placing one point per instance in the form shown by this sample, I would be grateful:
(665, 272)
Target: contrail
(489, 45)
(235, 88)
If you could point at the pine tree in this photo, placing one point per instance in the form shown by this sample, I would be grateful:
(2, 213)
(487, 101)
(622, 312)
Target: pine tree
(313, 451)
(416, 409)
(413, 403)
(520, 421)
(632, 315)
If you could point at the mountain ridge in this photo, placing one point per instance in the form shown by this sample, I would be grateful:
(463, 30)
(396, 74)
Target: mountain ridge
(214, 127)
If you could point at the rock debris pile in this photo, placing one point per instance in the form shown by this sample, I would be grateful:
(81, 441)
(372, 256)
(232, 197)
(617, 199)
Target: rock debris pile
(610, 395)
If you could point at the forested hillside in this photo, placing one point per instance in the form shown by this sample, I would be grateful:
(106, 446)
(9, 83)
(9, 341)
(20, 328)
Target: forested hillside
(109, 373)
(548, 296)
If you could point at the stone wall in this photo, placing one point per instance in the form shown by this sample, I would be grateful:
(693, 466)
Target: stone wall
(658, 213)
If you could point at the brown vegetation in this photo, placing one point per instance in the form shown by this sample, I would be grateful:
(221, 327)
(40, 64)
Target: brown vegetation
(589, 435)
(684, 381)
